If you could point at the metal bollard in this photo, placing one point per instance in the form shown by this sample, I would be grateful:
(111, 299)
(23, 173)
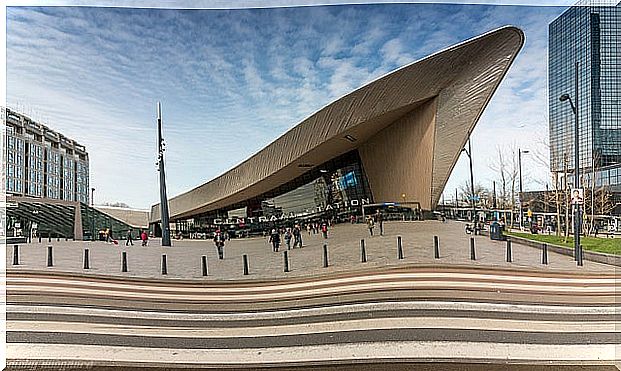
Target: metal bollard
(50, 261)
(245, 264)
(124, 261)
(49, 238)
(580, 261)
(473, 255)
(205, 269)
(509, 252)
(325, 256)
(436, 247)
(39, 238)
(286, 255)
(164, 265)
(544, 254)
(363, 252)
(15, 254)
(399, 248)
(87, 263)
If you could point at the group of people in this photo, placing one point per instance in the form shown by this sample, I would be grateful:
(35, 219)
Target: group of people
(143, 236)
(294, 234)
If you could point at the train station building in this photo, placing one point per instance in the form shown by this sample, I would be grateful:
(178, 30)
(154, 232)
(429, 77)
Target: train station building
(392, 142)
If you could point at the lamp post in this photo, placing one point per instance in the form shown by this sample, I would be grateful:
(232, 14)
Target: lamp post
(520, 151)
(577, 211)
(474, 210)
(93, 214)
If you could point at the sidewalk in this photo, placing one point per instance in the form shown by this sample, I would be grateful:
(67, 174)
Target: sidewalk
(184, 258)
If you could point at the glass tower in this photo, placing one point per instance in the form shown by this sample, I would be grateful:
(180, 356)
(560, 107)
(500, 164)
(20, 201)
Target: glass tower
(591, 36)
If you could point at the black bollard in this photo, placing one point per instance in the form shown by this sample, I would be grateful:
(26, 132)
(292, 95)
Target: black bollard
(363, 252)
(66, 239)
(286, 255)
(57, 238)
(325, 256)
(15, 254)
(580, 256)
(164, 265)
(124, 261)
(509, 252)
(50, 261)
(544, 254)
(399, 248)
(39, 238)
(29, 238)
(204, 265)
(473, 255)
(49, 238)
(436, 247)
(87, 263)
(245, 264)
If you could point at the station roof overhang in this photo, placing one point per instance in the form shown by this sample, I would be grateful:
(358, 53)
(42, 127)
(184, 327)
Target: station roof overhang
(462, 78)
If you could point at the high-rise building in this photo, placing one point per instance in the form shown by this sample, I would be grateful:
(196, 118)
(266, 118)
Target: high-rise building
(43, 163)
(591, 36)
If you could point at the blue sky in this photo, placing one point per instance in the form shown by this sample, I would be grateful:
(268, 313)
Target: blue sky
(231, 81)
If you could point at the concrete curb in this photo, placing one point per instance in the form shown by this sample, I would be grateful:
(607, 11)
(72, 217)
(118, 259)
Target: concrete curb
(588, 255)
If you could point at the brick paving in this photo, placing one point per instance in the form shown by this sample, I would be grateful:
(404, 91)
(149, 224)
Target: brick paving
(184, 258)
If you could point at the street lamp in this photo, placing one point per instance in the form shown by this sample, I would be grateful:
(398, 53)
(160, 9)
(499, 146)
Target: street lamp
(93, 214)
(474, 210)
(520, 151)
(577, 211)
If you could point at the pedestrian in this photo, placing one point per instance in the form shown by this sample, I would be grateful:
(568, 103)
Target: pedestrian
(370, 224)
(218, 239)
(129, 240)
(288, 237)
(324, 230)
(297, 236)
(144, 238)
(379, 218)
(352, 219)
(275, 240)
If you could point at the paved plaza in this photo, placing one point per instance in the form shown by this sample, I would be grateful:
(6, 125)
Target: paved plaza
(184, 257)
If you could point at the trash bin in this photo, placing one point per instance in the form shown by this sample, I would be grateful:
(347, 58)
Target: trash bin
(495, 232)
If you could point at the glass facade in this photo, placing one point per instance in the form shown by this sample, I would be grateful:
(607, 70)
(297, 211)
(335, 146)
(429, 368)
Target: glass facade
(591, 36)
(334, 191)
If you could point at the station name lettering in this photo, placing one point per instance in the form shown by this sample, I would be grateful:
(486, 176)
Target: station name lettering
(281, 217)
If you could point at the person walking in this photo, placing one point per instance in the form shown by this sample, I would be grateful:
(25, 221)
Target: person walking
(324, 230)
(275, 240)
(297, 236)
(370, 224)
(218, 239)
(129, 240)
(144, 237)
(288, 237)
(379, 218)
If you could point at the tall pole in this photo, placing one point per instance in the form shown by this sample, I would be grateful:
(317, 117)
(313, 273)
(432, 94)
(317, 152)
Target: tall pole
(494, 204)
(577, 215)
(474, 210)
(93, 214)
(520, 193)
(163, 198)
